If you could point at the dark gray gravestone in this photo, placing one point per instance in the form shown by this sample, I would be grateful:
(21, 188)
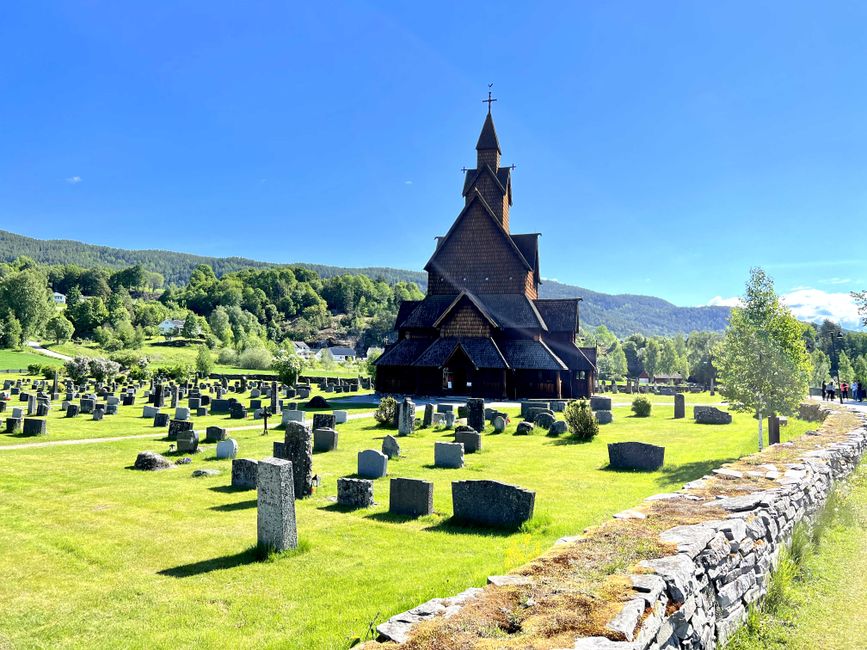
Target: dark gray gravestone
(37, 427)
(324, 421)
(635, 455)
(275, 505)
(476, 413)
(298, 448)
(72, 410)
(215, 434)
(410, 497)
(472, 440)
(710, 415)
(354, 492)
(491, 503)
(773, 430)
(324, 440)
(244, 473)
(679, 406)
(188, 441)
(161, 420)
(427, 420)
(177, 426)
(13, 425)
(598, 403)
(390, 446)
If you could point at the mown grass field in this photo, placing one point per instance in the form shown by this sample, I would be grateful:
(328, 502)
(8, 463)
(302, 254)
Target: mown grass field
(98, 555)
(10, 359)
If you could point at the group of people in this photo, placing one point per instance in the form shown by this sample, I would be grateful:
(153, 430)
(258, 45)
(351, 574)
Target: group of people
(856, 390)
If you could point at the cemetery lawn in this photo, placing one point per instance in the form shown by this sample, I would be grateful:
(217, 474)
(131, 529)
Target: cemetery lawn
(98, 555)
(15, 360)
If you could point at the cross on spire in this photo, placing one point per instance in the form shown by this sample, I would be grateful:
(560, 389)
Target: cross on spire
(490, 100)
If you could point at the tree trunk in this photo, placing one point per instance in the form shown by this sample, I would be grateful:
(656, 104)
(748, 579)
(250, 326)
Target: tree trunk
(761, 436)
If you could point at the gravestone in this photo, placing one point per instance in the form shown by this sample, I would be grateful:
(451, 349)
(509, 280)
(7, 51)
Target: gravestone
(710, 415)
(558, 428)
(406, 417)
(298, 448)
(341, 417)
(679, 406)
(220, 406)
(450, 420)
(14, 425)
(524, 429)
(354, 492)
(150, 461)
(324, 421)
(445, 408)
(111, 409)
(604, 417)
(492, 503)
(427, 420)
(255, 404)
(544, 420)
(499, 423)
(194, 403)
(449, 455)
(471, 440)
(227, 448)
(390, 446)
(35, 427)
(244, 471)
(17, 412)
(161, 420)
(410, 497)
(635, 455)
(290, 415)
(476, 414)
(438, 419)
(182, 413)
(215, 434)
(324, 440)
(275, 504)
(188, 441)
(149, 411)
(599, 403)
(773, 430)
(177, 426)
(42, 409)
(237, 411)
(97, 414)
(202, 411)
(72, 410)
(86, 405)
(372, 464)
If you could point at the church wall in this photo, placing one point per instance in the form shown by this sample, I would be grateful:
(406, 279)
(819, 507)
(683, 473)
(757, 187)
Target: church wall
(494, 197)
(465, 320)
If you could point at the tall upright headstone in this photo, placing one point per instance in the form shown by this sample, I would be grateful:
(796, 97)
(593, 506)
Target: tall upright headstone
(275, 520)
(679, 406)
(773, 430)
(712, 387)
(428, 416)
(476, 413)
(158, 396)
(406, 417)
(298, 448)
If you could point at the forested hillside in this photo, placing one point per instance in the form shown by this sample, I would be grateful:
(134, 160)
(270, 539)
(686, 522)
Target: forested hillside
(622, 314)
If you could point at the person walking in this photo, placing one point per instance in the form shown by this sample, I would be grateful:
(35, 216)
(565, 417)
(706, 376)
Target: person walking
(824, 391)
(854, 389)
(831, 390)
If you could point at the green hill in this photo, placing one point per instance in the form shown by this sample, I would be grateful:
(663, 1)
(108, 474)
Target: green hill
(623, 314)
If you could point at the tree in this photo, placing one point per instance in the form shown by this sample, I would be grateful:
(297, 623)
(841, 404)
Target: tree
(288, 366)
(60, 329)
(861, 300)
(12, 334)
(821, 368)
(651, 357)
(220, 325)
(762, 360)
(326, 359)
(372, 355)
(861, 368)
(191, 329)
(844, 368)
(26, 295)
(204, 362)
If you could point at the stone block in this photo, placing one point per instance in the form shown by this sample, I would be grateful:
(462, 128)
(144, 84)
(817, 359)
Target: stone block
(161, 420)
(291, 415)
(14, 425)
(410, 497)
(492, 503)
(599, 403)
(275, 517)
(354, 492)
(427, 418)
(604, 417)
(177, 426)
(188, 441)
(324, 421)
(227, 448)
(298, 448)
(244, 473)
(558, 428)
(499, 423)
(448, 454)
(372, 464)
(35, 427)
(636, 456)
(215, 434)
(524, 429)
(324, 440)
(679, 406)
(406, 417)
(150, 461)
(471, 440)
(72, 410)
(149, 411)
(341, 417)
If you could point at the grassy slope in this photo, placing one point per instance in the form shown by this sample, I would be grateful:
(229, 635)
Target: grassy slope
(827, 604)
(13, 359)
(98, 555)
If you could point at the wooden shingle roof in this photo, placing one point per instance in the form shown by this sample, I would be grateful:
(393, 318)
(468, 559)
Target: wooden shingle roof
(404, 352)
(482, 352)
(529, 354)
(488, 137)
(559, 315)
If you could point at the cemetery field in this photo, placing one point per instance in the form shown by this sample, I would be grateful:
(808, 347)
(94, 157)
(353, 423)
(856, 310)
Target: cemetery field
(13, 359)
(99, 555)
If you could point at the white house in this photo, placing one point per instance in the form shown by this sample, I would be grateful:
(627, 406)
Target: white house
(171, 326)
(340, 353)
(302, 349)
(59, 298)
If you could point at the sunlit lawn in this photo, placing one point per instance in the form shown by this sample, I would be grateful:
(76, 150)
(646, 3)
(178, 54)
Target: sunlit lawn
(98, 555)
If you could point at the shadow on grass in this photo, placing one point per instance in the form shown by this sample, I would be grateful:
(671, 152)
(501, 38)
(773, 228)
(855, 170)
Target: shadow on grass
(247, 556)
(680, 474)
(229, 489)
(570, 440)
(454, 526)
(232, 507)
(339, 507)
(390, 518)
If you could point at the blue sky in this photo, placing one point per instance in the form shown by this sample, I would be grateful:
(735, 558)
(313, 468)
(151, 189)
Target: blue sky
(662, 148)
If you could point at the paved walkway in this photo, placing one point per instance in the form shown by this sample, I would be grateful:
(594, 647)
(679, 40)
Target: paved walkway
(152, 436)
(38, 349)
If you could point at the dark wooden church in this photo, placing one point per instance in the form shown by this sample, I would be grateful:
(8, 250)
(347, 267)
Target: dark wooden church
(482, 329)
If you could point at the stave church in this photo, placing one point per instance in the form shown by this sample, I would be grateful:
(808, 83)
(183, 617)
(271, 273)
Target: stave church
(482, 329)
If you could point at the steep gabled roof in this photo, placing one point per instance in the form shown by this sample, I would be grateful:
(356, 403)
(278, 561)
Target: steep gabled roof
(502, 178)
(427, 311)
(528, 244)
(403, 353)
(488, 137)
(529, 354)
(476, 303)
(403, 312)
(512, 311)
(560, 315)
(482, 352)
(477, 198)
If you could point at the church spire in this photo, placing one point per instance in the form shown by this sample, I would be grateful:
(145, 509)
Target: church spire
(488, 146)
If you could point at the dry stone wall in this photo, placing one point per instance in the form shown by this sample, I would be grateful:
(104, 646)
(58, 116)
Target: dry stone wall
(699, 594)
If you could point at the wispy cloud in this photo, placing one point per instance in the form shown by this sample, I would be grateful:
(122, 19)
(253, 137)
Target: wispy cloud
(73, 180)
(837, 281)
(811, 305)
(407, 182)
(719, 301)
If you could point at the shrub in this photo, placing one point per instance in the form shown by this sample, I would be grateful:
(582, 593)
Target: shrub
(641, 407)
(34, 369)
(204, 362)
(255, 359)
(579, 418)
(227, 357)
(385, 411)
(287, 366)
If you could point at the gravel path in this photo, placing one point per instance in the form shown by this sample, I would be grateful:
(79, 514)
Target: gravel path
(38, 349)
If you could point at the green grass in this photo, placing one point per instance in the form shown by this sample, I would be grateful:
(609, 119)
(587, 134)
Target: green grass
(97, 555)
(819, 592)
(13, 359)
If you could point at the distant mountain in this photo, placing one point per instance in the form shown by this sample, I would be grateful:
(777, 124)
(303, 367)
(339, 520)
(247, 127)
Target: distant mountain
(623, 314)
